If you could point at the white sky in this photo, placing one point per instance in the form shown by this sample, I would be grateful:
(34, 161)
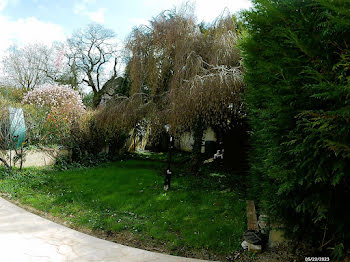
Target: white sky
(28, 21)
(45, 21)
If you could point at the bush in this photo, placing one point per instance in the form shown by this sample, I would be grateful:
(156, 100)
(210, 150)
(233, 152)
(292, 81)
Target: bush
(88, 100)
(12, 94)
(37, 131)
(297, 62)
(66, 162)
(4, 124)
(61, 98)
(90, 140)
(61, 104)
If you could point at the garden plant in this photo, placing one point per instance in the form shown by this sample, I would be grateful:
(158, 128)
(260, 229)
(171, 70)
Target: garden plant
(272, 85)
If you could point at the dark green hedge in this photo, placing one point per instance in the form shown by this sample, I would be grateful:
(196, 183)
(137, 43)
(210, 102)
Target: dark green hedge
(297, 60)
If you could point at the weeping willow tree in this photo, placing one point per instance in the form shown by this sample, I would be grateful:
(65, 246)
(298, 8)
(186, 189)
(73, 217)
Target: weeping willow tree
(211, 95)
(159, 50)
(189, 75)
(122, 114)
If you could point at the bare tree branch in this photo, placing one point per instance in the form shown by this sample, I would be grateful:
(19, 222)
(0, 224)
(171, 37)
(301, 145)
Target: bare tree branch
(93, 50)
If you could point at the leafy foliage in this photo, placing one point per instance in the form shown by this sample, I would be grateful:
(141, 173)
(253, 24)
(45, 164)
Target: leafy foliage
(61, 104)
(88, 100)
(61, 98)
(296, 57)
(39, 132)
(92, 139)
(12, 94)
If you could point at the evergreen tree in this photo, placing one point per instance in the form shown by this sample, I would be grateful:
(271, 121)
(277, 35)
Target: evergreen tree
(297, 60)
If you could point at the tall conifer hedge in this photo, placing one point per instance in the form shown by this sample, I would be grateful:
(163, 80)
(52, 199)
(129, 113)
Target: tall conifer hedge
(297, 60)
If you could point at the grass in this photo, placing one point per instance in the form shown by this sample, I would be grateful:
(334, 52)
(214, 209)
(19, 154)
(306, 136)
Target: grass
(127, 196)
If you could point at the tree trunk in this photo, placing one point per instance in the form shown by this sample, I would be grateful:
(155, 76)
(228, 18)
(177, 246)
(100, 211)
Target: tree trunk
(97, 99)
(198, 131)
(21, 159)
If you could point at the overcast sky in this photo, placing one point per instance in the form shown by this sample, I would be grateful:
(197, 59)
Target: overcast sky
(27, 21)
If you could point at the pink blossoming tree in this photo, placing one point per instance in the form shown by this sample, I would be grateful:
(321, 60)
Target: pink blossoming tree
(63, 105)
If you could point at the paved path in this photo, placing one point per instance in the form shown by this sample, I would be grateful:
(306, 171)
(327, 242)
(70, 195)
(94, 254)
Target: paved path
(28, 237)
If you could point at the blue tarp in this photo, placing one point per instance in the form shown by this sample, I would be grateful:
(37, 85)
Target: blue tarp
(17, 130)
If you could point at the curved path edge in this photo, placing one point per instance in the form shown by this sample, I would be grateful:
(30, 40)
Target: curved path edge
(27, 237)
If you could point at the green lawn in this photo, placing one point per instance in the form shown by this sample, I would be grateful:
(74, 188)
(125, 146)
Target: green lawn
(196, 214)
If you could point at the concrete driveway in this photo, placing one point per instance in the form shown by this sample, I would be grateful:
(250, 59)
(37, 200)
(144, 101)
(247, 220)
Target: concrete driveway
(28, 237)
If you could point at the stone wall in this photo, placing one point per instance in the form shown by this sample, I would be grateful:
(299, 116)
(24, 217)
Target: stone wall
(39, 158)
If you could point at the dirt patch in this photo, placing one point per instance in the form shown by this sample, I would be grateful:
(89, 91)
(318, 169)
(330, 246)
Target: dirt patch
(281, 253)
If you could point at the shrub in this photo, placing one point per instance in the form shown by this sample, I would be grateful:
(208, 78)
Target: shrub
(12, 94)
(85, 138)
(4, 124)
(89, 140)
(61, 99)
(88, 100)
(297, 61)
(120, 116)
(38, 132)
(62, 105)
